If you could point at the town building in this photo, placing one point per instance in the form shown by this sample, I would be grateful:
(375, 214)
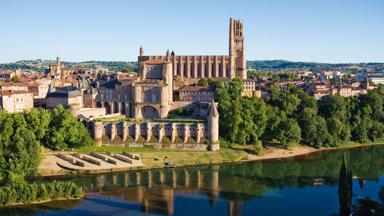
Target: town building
(7, 75)
(251, 89)
(376, 79)
(58, 71)
(16, 100)
(196, 93)
(65, 98)
(321, 89)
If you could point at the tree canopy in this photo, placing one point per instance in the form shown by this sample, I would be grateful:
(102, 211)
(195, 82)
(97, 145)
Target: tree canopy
(22, 135)
(291, 116)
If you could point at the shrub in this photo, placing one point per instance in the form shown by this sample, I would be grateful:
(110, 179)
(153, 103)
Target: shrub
(34, 192)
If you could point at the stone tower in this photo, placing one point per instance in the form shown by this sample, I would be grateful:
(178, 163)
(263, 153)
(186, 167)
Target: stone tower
(213, 128)
(55, 69)
(366, 83)
(236, 49)
(141, 51)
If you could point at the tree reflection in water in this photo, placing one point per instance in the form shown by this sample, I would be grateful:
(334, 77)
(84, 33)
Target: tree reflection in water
(345, 189)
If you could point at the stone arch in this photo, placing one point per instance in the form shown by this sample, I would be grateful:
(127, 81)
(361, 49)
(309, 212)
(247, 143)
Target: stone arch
(115, 107)
(150, 112)
(99, 104)
(122, 109)
(107, 108)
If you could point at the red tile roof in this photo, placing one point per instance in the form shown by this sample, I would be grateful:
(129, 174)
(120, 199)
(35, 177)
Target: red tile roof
(11, 92)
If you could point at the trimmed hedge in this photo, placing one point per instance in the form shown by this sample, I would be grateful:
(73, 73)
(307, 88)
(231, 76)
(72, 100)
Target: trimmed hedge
(37, 192)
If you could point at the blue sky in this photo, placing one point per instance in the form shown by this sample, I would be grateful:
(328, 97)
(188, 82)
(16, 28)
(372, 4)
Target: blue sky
(297, 30)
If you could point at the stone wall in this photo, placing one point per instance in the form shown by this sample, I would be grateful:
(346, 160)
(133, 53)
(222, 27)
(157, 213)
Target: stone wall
(152, 134)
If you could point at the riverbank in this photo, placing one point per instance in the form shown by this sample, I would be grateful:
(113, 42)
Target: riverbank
(41, 202)
(157, 158)
(20, 193)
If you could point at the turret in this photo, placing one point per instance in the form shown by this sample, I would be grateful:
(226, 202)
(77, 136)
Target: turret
(141, 51)
(167, 54)
(213, 128)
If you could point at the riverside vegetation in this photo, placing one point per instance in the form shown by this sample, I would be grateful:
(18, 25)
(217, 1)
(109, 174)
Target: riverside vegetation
(21, 138)
(290, 116)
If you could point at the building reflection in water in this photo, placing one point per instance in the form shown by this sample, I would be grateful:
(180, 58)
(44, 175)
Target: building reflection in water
(154, 189)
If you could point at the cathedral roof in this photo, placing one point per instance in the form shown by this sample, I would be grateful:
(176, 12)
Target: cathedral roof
(155, 61)
(110, 84)
(65, 94)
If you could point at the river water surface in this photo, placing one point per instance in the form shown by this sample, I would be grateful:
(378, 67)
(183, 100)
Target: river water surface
(333, 183)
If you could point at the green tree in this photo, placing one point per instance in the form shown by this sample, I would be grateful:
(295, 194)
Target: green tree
(229, 97)
(38, 121)
(203, 82)
(338, 130)
(289, 132)
(313, 128)
(253, 119)
(19, 147)
(284, 100)
(333, 106)
(275, 116)
(376, 132)
(65, 131)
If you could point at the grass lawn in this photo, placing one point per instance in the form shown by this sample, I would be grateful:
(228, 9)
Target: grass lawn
(156, 157)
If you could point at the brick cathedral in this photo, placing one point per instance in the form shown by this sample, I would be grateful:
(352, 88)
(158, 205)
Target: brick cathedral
(195, 67)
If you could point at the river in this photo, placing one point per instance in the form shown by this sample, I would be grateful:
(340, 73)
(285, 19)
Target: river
(323, 183)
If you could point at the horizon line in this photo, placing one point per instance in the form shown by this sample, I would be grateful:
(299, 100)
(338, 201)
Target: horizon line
(293, 61)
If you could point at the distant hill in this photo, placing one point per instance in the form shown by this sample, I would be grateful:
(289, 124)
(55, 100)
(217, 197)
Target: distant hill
(260, 65)
(278, 65)
(42, 65)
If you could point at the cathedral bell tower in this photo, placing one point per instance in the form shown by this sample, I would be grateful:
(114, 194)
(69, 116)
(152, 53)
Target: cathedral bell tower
(236, 49)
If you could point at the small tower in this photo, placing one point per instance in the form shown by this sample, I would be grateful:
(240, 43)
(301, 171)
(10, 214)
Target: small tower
(58, 61)
(141, 51)
(213, 128)
(167, 54)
